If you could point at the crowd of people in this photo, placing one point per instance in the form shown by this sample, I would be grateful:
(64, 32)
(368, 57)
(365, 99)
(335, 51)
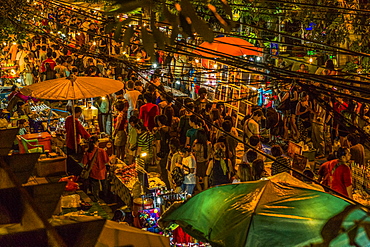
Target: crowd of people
(193, 143)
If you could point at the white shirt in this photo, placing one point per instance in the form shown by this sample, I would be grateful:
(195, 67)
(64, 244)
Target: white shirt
(131, 97)
(191, 163)
(251, 127)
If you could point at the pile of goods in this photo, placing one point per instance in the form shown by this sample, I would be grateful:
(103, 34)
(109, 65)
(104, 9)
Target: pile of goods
(127, 174)
(155, 183)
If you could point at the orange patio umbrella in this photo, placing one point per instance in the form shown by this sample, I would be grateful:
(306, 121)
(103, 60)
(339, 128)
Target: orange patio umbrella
(227, 46)
(73, 88)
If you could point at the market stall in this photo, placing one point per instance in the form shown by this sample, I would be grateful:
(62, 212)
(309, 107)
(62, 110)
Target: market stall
(73, 88)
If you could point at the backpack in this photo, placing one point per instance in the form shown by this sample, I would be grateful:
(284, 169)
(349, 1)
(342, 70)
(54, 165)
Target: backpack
(165, 143)
(178, 176)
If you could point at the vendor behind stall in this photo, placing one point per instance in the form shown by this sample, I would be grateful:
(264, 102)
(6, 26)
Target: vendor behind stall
(80, 131)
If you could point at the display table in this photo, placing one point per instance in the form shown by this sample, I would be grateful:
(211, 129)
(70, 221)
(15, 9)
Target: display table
(122, 190)
(126, 183)
(44, 138)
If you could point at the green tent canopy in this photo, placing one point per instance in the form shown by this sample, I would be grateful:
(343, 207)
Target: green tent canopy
(281, 211)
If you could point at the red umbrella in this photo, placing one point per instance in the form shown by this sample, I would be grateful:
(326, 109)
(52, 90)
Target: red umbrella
(227, 46)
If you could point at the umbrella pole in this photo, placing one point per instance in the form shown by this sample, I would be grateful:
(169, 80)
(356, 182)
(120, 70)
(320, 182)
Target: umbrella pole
(74, 125)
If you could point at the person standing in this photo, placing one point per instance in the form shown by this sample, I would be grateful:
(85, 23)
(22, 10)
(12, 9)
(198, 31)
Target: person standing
(318, 121)
(28, 68)
(251, 126)
(303, 111)
(71, 139)
(191, 134)
(131, 96)
(98, 171)
(132, 139)
(201, 102)
(162, 137)
(148, 112)
(188, 166)
(119, 133)
(219, 169)
(184, 124)
(282, 164)
(103, 106)
(202, 150)
(356, 149)
(48, 65)
(340, 173)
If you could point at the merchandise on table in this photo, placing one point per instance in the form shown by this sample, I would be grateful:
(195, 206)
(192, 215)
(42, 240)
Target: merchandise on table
(361, 182)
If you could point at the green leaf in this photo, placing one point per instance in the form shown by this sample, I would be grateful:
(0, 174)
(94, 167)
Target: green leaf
(352, 236)
(227, 8)
(109, 27)
(186, 27)
(118, 32)
(174, 34)
(130, 6)
(148, 42)
(333, 227)
(169, 16)
(198, 24)
(366, 226)
(127, 36)
(158, 35)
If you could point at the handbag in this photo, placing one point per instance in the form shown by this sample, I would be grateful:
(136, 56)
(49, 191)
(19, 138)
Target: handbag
(85, 173)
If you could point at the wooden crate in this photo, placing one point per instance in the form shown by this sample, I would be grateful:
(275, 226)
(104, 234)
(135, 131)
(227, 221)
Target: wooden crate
(51, 166)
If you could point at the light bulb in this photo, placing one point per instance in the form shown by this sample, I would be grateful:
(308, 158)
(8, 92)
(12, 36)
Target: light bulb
(94, 43)
(311, 60)
(144, 154)
(197, 60)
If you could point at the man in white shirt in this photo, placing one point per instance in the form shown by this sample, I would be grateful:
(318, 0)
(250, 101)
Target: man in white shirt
(131, 96)
(22, 53)
(251, 126)
(189, 168)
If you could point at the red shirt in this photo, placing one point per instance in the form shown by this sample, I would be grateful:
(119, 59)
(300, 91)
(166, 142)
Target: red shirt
(98, 169)
(50, 61)
(341, 177)
(324, 171)
(148, 113)
(120, 118)
(339, 107)
(80, 131)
